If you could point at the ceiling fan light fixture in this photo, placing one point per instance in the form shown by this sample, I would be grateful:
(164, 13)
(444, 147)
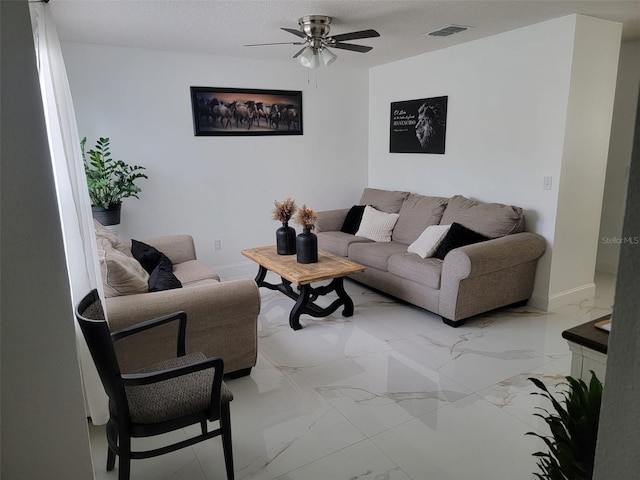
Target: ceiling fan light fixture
(309, 58)
(327, 57)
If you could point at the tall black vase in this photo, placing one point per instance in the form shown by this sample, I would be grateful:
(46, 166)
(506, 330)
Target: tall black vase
(307, 247)
(286, 240)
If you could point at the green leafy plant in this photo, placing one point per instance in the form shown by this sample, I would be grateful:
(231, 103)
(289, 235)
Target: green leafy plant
(574, 431)
(109, 180)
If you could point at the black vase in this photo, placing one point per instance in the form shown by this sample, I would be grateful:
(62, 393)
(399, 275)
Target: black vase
(307, 247)
(286, 240)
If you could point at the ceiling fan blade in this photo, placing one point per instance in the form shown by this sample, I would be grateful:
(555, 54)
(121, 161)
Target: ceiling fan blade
(352, 47)
(276, 43)
(356, 35)
(295, 32)
(301, 50)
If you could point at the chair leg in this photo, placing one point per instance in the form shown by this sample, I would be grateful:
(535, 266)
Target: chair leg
(203, 427)
(112, 436)
(124, 458)
(111, 459)
(225, 426)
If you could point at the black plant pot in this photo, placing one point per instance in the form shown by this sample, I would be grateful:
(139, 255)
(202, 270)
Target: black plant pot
(307, 247)
(286, 240)
(107, 216)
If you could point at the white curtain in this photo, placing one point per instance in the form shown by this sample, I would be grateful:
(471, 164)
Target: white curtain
(71, 185)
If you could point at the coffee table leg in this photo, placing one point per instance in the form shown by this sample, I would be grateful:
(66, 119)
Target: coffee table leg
(342, 295)
(262, 273)
(299, 307)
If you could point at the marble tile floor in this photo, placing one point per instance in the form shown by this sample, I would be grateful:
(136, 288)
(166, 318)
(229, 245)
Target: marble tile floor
(388, 394)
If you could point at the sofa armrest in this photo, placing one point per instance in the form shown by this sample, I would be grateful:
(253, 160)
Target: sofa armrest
(492, 255)
(221, 321)
(179, 248)
(487, 275)
(330, 220)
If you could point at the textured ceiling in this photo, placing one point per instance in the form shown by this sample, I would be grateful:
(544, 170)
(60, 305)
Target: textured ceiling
(224, 27)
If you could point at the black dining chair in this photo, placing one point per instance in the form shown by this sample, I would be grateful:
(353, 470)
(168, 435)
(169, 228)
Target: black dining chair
(167, 396)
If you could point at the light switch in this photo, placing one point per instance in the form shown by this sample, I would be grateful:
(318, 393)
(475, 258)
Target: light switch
(547, 183)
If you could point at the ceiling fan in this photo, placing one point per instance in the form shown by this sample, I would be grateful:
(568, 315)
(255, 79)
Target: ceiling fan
(314, 32)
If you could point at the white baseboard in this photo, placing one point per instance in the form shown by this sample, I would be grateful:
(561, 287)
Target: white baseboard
(237, 270)
(568, 297)
(575, 295)
(539, 301)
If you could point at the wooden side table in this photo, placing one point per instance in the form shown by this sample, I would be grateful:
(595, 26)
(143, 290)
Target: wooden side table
(588, 345)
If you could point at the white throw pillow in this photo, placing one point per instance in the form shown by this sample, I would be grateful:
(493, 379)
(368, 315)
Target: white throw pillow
(429, 240)
(377, 225)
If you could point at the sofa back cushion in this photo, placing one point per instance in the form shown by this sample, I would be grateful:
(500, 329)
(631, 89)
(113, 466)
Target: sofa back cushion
(388, 201)
(416, 214)
(492, 220)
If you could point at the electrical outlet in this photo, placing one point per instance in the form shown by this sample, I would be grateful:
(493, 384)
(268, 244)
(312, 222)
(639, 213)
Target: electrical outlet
(218, 245)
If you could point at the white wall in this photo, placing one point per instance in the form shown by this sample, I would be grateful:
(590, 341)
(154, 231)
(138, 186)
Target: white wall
(584, 159)
(44, 428)
(615, 189)
(507, 114)
(219, 187)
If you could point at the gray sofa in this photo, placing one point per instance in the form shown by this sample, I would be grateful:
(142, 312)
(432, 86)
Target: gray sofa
(470, 280)
(222, 317)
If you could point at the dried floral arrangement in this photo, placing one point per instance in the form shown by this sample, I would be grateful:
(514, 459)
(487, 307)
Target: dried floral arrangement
(306, 217)
(284, 210)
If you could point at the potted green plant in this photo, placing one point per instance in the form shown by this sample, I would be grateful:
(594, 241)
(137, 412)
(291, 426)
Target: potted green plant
(574, 431)
(109, 181)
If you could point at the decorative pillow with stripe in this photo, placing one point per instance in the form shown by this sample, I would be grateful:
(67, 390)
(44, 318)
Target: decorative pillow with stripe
(376, 225)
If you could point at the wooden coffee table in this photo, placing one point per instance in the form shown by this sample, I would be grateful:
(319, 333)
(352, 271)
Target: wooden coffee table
(328, 267)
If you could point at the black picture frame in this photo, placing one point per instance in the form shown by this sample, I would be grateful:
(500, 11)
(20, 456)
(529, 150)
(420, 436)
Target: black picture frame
(242, 111)
(418, 126)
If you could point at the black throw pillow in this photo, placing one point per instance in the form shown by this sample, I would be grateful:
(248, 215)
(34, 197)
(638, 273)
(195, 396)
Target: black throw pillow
(458, 236)
(352, 220)
(162, 277)
(146, 255)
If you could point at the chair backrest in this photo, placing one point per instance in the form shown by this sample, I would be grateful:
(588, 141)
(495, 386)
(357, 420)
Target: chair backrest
(90, 317)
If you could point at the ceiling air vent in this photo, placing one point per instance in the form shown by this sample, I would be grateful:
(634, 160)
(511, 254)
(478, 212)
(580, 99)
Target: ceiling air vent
(446, 31)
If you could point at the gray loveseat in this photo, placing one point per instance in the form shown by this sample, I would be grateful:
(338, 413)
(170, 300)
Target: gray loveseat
(222, 317)
(469, 280)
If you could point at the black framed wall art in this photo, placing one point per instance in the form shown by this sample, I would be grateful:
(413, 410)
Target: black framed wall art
(418, 126)
(243, 111)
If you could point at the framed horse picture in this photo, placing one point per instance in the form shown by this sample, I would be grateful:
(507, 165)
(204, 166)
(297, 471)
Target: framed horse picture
(242, 111)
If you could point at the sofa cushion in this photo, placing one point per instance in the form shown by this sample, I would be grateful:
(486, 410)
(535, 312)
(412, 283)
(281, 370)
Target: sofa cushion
(121, 274)
(429, 241)
(192, 271)
(353, 219)
(425, 271)
(338, 242)
(162, 277)
(416, 214)
(458, 236)
(375, 254)
(103, 235)
(146, 255)
(384, 200)
(377, 225)
(492, 220)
